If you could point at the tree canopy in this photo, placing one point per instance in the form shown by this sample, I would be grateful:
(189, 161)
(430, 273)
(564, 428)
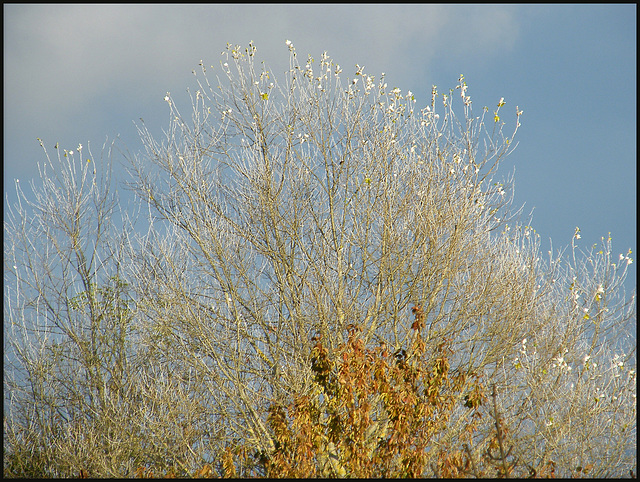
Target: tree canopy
(318, 278)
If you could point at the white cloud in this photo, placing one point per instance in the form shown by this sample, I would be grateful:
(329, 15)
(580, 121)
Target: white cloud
(62, 61)
(67, 53)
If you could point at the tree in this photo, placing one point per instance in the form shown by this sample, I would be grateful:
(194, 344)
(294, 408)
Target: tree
(281, 214)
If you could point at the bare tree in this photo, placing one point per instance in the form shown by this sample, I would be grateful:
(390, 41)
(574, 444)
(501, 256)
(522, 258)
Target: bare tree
(279, 212)
(79, 394)
(67, 317)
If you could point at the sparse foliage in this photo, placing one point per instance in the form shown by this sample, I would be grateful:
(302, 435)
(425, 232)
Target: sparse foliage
(330, 282)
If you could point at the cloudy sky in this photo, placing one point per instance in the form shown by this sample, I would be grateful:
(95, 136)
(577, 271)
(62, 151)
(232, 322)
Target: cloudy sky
(82, 74)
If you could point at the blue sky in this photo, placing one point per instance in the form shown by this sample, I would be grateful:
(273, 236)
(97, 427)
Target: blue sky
(83, 73)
